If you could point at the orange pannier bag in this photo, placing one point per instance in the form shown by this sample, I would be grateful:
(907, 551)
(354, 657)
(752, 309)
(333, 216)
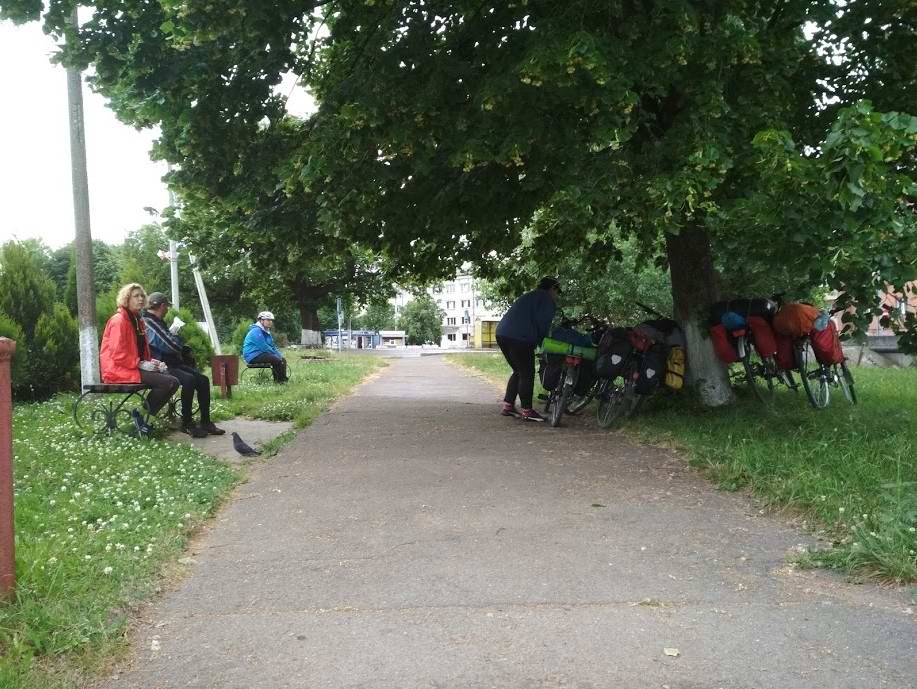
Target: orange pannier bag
(795, 320)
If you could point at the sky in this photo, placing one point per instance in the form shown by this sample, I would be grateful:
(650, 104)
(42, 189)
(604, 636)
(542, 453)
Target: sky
(36, 197)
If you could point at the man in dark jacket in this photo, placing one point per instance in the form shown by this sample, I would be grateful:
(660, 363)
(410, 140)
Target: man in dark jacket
(519, 332)
(169, 348)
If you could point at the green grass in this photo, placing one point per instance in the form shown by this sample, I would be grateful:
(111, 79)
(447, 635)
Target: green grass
(850, 471)
(313, 386)
(98, 521)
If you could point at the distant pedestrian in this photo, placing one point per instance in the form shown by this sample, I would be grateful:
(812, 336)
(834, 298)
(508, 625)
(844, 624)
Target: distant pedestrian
(519, 332)
(168, 347)
(258, 347)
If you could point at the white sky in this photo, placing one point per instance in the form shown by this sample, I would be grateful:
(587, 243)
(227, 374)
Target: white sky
(36, 198)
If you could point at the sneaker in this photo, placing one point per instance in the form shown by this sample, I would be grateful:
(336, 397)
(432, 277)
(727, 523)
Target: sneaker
(211, 428)
(509, 410)
(194, 431)
(531, 415)
(144, 430)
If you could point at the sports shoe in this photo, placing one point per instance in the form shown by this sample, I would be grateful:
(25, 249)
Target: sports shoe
(144, 430)
(194, 431)
(509, 410)
(531, 415)
(211, 428)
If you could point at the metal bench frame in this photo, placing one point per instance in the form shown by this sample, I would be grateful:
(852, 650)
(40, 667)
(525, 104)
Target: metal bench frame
(103, 408)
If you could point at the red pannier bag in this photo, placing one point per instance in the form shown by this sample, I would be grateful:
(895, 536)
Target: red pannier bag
(786, 358)
(827, 345)
(765, 342)
(722, 345)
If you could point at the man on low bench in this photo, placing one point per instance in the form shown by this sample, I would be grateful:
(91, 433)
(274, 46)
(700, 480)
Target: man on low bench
(169, 348)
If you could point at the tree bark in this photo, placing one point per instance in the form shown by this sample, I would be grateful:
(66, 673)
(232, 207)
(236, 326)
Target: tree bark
(311, 334)
(693, 291)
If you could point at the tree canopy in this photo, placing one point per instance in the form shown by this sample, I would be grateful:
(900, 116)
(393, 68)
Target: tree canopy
(736, 135)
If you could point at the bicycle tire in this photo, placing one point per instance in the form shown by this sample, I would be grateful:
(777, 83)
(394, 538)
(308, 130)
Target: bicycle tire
(813, 377)
(560, 404)
(845, 381)
(761, 385)
(619, 403)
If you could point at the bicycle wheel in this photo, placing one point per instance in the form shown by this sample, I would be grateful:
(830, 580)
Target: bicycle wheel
(845, 381)
(814, 378)
(756, 374)
(619, 402)
(560, 403)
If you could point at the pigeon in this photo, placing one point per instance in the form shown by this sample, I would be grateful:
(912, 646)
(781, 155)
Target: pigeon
(241, 446)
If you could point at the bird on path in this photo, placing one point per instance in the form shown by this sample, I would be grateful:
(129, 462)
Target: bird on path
(242, 448)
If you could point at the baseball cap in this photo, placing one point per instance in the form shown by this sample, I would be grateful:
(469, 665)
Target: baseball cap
(548, 282)
(158, 299)
(265, 315)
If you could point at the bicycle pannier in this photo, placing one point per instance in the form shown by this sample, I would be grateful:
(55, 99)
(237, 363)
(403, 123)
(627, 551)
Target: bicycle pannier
(586, 378)
(722, 344)
(550, 367)
(795, 320)
(611, 362)
(786, 358)
(765, 308)
(675, 368)
(652, 369)
(827, 345)
(641, 339)
(664, 330)
(763, 334)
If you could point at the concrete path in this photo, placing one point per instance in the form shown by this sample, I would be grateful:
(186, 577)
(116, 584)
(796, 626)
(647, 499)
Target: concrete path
(413, 538)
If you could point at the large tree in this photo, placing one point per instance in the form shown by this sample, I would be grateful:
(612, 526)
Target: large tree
(447, 128)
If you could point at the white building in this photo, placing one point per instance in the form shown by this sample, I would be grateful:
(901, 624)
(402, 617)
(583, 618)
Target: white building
(469, 321)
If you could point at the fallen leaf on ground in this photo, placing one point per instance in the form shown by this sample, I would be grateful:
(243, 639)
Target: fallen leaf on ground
(674, 652)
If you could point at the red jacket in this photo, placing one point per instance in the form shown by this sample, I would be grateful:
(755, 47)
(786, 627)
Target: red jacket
(118, 356)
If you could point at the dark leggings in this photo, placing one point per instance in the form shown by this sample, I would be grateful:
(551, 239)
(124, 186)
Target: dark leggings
(521, 358)
(164, 386)
(192, 381)
(278, 365)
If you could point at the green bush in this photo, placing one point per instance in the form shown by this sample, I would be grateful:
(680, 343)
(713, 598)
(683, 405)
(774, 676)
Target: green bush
(54, 355)
(193, 336)
(238, 335)
(25, 292)
(106, 306)
(9, 328)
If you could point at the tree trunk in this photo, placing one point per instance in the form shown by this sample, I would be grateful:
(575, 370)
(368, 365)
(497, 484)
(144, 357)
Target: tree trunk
(311, 328)
(693, 291)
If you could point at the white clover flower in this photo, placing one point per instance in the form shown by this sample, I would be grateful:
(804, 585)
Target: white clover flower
(52, 560)
(107, 570)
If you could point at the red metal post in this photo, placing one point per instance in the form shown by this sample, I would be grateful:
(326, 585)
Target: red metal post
(7, 537)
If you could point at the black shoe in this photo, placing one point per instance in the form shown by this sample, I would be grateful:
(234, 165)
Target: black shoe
(194, 431)
(211, 428)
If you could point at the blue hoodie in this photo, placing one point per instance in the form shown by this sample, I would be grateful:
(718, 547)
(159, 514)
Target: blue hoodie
(529, 318)
(258, 341)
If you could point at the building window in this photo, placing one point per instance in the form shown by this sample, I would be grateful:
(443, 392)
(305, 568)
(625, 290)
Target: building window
(450, 304)
(466, 302)
(451, 337)
(466, 319)
(450, 321)
(450, 288)
(479, 302)
(466, 286)
(464, 336)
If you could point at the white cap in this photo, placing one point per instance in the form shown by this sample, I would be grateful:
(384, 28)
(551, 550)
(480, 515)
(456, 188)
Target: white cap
(265, 315)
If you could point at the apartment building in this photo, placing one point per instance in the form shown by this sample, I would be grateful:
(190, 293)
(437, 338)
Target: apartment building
(468, 320)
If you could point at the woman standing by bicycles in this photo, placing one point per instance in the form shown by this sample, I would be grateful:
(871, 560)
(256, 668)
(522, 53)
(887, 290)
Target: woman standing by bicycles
(519, 332)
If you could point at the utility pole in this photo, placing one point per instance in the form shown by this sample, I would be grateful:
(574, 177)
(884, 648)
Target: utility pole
(85, 297)
(173, 258)
(205, 305)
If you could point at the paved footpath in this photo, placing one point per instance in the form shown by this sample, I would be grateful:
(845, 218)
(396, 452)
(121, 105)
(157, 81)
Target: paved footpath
(412, 537)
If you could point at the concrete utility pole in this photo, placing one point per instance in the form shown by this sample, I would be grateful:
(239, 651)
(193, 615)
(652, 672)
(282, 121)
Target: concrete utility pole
(173, 258)
(85, 297)
(205, 305)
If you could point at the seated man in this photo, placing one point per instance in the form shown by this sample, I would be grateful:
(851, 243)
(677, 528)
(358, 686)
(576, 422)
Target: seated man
(259, 348)
(170, 349)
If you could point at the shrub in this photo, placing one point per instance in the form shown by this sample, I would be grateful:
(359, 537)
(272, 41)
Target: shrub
(54, 355)
(238, 335)
(25, 291)
(9, 328)
(193, 336)
(106, 306)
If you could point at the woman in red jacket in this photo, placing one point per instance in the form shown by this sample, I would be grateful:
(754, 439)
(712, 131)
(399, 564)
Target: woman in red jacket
(124, 355)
